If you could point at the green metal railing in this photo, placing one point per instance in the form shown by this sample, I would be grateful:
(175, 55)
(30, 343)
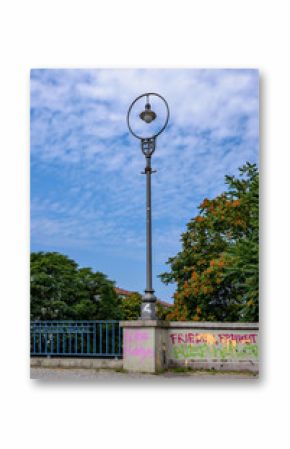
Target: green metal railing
(76, 338)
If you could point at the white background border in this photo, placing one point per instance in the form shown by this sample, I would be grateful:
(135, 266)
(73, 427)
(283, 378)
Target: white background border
(81, 34)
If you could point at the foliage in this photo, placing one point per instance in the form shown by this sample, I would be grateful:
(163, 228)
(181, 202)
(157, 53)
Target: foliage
(161, 311)
(60, 290)
(243, 256)
(217, 269)
(131, 306)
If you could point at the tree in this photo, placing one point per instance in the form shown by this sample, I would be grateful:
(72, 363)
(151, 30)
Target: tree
(217, 269)
(53, 285)
(131, 306)
(162, 311)
(60, 290)
(243, 255)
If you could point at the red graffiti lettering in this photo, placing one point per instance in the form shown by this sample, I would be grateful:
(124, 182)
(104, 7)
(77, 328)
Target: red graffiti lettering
(173, 338)
(181, 338)
(212, 338)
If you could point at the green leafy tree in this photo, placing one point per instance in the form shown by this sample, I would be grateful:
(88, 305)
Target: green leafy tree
(243, 255)
(60, 290)
(217, 269)
(162, 312)
(131, 306)
(53, 285)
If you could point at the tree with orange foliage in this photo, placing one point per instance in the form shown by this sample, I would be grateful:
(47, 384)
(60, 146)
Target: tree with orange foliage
(216, 279)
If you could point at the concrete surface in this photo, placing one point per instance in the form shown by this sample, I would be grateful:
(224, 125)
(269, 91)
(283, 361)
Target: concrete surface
(57, 374)
(74, 362)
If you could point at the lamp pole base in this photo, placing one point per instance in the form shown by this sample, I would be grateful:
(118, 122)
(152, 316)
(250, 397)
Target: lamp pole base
(148, 306)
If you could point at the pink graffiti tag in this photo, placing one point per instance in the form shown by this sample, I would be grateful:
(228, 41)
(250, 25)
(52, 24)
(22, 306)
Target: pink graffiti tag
(141, 353)
(135, 335)
(134, 344)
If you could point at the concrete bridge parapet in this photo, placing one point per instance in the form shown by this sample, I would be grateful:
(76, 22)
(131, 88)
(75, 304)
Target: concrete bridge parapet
(152, 345)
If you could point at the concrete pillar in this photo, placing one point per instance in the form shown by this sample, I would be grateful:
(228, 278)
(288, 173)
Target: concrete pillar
(145, 345)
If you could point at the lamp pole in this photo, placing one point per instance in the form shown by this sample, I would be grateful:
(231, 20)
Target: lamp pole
(148, 307)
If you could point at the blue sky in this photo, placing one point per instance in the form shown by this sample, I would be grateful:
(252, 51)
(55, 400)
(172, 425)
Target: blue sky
(87, 193)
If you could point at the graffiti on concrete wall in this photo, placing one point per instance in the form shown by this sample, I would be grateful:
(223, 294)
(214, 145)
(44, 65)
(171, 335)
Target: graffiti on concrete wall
(214, 345)
(137, 344)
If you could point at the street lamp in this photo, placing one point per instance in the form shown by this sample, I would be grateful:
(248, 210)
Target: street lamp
(148, 144)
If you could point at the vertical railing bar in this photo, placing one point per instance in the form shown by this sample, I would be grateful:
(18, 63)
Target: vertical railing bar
(106, 338)
(101, 339)
(57, 341)
(51, 339)
(45, 342)
(34, 342)
(113, 339)
(39, 344)
(88, 340)
(119, 340)
(94, 337)
(63, 342)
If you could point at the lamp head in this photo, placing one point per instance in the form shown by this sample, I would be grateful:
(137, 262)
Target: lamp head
(147, 115)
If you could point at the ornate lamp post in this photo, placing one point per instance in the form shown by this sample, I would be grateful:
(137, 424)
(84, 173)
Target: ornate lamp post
(148, 144)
